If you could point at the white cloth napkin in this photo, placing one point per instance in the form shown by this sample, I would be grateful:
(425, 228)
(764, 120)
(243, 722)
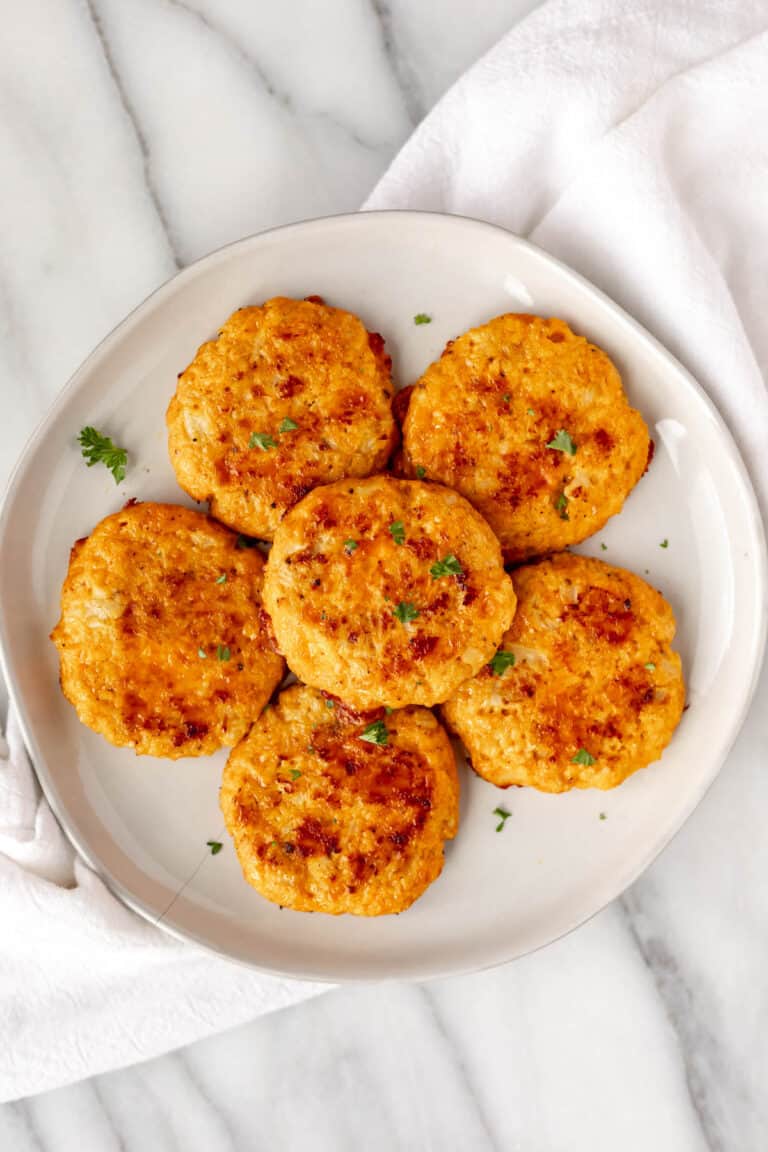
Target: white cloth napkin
(85, 984)
(628, 138)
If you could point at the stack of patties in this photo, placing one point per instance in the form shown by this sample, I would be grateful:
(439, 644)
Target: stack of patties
(386, 594)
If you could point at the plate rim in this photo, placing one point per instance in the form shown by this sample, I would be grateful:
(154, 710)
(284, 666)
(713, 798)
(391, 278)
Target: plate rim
(45, 778)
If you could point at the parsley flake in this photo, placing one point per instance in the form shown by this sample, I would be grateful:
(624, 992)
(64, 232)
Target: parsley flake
(506, 397)
(295, 773)
(562, 442)
(397, 531)
(501, 661)
(222, 652)
(664, 544)
(375, 733)
(421, 471)
(603, 816)
(329, 704)
(503, 815)
(422, 318)
(561, 506)
(530, 411)
(583, 757)
(221, 579)
(388, 710)
(650, 666)
(288, 425)
(98, 449)
(450, 566)
(202, 653)
(215, 846)
(262, 440)
(604, 547)
(349, 546)
(405, 611)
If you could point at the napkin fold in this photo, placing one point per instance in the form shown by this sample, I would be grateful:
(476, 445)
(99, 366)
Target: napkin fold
(628, 139)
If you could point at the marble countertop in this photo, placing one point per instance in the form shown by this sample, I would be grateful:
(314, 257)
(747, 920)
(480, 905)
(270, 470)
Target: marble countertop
(136, 137)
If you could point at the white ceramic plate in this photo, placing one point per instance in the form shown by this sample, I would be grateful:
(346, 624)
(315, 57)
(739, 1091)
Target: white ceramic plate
(143, 824)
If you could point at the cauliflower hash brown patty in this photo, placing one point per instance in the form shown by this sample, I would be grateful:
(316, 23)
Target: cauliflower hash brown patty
(530, 423)
(386, 591)
(595, 691)
(162, 640)
(290, 395)
(331, 811)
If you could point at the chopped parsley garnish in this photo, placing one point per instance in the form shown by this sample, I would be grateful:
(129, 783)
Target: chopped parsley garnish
(98, 449)
(245, 542)
(349, 546)
(421, 471)
(405, 611)
(583, 757)
(530, 411)
(503, 815)
(221, 579)
(650, 666)
(329, 704)
(447, 567)
(222, 652)
(603, 816)
(501, 661)
(202, 653)
(664, 544)
(375, 733)
(604, 547)
(215, 846)
(562, 442)
(561, 506)
(261, 440)
(506, 397)
(397, 531)
(388, 710)
(422, 318)
(295, 773)
(288, 425)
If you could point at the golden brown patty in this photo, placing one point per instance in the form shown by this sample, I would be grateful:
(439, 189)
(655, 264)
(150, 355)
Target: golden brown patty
(595, 691)
(530, 423)
(162, 639)
(290, 395)
(385, 591)
(332, 811)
